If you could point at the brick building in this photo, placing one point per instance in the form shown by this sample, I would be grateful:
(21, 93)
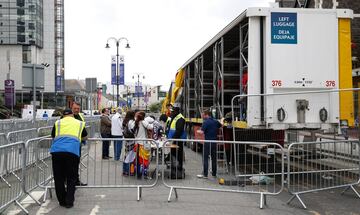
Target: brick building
(348, 4)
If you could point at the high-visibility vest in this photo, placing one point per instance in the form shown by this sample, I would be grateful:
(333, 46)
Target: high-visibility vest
(173, 127)
(67, 136)
(81, 117)
(167, 126)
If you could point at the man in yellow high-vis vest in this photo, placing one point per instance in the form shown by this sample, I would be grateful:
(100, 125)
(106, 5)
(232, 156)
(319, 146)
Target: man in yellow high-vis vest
(65, 150)
(75, 108)
(177, 131)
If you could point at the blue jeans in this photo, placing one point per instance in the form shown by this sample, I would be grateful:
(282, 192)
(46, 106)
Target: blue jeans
(209, 149)
(117, 147)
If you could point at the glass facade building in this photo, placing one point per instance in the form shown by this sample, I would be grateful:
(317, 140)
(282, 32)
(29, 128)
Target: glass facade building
(21, 22)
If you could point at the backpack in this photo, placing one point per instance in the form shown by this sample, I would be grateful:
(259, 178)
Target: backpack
(128, 133)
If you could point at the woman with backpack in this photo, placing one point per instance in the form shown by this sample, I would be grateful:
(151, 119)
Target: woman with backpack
(128, 126)
(143, 148)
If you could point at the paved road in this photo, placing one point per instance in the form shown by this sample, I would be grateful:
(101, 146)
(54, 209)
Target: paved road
(154, 201)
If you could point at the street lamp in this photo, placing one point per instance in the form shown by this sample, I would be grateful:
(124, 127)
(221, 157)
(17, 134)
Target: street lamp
(138, 87)
(117, 42)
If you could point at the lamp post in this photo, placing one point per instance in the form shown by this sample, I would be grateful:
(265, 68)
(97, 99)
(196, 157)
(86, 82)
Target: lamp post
(117, 42)
(138, 87)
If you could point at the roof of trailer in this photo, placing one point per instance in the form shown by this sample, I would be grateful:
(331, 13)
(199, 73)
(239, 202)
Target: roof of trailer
(232, 24)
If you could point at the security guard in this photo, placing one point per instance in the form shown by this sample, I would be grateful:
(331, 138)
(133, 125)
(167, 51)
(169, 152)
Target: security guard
(75, 107)
(177, 131)
(65, 150)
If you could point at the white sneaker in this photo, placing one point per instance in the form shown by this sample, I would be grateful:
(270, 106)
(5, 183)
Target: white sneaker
(202, 176)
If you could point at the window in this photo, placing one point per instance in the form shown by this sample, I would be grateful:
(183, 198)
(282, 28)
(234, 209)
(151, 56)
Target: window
(20, 11)
(32, 8)
(1, 24)
(20, 28)
(31, 26)
(21, 38)
(20, 3)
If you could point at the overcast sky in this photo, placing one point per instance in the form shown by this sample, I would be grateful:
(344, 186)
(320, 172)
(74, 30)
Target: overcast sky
(163, 34)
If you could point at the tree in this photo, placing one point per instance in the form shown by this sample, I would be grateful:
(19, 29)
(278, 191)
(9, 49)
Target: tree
(155, 107)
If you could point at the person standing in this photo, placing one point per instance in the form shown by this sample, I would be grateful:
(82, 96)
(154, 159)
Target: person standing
(210, 128)
(67, 134)
(105, 131)
(143, 148)
(177, 131)
(75, 108)
(117, 132)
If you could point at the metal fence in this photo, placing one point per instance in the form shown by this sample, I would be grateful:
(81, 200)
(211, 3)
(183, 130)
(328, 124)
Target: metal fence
(128, 172)
(260, 167)
(11, 125)
(12, 176)
(318, 166)
(241, 167)
(21, 135)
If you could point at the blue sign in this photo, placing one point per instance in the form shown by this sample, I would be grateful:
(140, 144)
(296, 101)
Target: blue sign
(58, 83)
(138, 89)
(284, 28)
(113, 74)
(122, 74)
(139, 94)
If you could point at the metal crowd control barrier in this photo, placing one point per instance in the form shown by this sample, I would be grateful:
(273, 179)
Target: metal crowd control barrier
(3, 139)
(22, 124)
(109, 173)
(44, 131)
(93, 128)
(11, 183)
(6, 125)
(319, 166)
(22, 135)
(38, 164)
(261, 171)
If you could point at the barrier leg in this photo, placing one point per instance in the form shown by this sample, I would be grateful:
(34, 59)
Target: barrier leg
(139, 193)
(346, 189)
(355, 191)
(45, 194)
(171, 190)
(265, 203)
(352, 187)
(298, 197)
(33, 198)
(176, 194)
(261, 200)
(21, 207)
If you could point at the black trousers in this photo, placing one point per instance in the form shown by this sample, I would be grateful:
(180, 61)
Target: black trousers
(65, 166)
(178, 154)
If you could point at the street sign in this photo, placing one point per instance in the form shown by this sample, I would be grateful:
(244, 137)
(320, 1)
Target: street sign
(121, 70)
(121, 76)
(91, 85)
(284, 28)
(113, 70)
(9, 93)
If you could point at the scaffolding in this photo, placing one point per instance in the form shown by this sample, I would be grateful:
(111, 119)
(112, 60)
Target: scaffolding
(214, 75)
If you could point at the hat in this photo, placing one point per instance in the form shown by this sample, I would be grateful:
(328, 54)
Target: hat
(176, 107)
(67, 111)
